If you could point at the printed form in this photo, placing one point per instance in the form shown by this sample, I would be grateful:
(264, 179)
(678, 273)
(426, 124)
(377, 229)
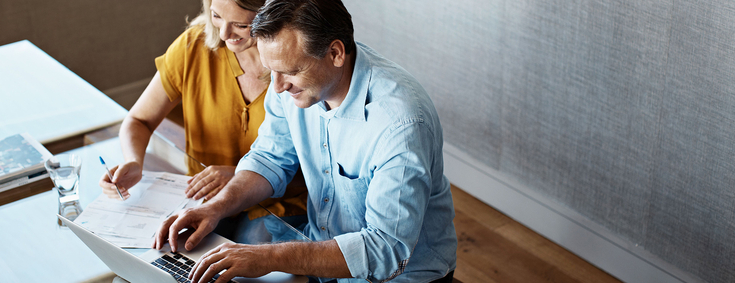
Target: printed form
(133, 223)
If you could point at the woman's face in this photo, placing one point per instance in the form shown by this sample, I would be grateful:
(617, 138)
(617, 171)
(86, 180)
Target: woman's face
(233, 23)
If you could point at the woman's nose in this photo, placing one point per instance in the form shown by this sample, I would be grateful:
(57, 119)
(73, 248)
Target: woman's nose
(224, 32)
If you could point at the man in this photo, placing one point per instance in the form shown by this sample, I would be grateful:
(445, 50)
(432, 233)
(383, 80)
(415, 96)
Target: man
(369, 142)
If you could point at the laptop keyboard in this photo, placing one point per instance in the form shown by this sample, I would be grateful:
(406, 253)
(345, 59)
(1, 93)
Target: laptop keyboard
(179, 266)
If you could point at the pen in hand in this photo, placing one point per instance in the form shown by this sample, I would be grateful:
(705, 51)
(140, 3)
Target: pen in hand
(110, 175)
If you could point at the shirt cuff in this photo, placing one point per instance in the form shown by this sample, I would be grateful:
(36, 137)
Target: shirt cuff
(353, 249)
(252, 164)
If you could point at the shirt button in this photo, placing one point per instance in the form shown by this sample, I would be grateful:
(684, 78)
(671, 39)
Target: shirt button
(325, 145)
(324, 229)
(326, 171)
(326, 199)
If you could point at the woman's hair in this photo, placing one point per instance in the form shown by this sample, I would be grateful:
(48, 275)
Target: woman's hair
(204, 19)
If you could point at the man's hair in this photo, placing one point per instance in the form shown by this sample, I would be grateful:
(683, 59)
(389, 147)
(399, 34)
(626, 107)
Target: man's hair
(320, 21)
(211, 33)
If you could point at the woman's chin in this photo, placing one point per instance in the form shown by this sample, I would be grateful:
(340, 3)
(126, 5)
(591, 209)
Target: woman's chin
(240, 46)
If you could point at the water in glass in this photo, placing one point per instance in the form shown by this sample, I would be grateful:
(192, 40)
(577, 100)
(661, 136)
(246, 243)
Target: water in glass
(65, 178)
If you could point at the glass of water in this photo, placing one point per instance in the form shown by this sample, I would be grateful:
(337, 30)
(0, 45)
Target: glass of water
(64, 171)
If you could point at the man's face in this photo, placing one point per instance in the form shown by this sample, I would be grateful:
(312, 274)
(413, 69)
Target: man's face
(307, 79)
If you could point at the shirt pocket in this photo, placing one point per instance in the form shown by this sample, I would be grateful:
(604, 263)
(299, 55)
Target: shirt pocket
(352, 192)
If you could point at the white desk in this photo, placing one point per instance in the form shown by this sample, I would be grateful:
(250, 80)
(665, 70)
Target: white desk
(35, 249)
(40, 96)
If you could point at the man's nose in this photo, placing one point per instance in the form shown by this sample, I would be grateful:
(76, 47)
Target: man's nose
(279, 83)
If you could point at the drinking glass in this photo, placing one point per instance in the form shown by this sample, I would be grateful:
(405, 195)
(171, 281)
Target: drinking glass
(69, 208)
(64, 171)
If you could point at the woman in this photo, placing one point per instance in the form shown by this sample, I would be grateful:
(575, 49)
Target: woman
(222, 92)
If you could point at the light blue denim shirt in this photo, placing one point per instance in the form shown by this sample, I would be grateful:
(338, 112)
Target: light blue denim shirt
(374, 171)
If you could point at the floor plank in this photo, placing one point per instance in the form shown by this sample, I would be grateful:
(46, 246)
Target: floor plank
(493, 247)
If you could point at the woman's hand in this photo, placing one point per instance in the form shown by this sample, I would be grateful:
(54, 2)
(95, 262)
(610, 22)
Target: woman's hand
(124, 176)
(209, 182)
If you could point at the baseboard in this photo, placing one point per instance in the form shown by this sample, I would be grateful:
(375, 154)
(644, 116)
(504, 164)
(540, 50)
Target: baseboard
(567, 228)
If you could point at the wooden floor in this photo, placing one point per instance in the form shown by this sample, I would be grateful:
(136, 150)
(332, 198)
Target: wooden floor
(495, 248)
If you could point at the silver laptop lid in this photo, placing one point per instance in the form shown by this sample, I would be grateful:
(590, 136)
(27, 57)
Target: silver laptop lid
(121, 262)
(138, 269)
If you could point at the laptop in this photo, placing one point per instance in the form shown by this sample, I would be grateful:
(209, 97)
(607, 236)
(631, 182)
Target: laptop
(163, 265)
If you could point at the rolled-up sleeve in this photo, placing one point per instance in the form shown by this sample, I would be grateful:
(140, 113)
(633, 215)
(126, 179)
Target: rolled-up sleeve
(396, 203)
(272, 155)
(352, 247)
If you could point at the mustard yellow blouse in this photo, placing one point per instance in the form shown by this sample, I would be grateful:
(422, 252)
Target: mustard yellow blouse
(219, 126)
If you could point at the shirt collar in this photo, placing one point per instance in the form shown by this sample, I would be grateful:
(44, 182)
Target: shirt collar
(232, 60)
(353, 106)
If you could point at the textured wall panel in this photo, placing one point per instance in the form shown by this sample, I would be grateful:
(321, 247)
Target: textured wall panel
(692, 215)
(583, 85)
(107, 43)
(453, 50)
(620, 110)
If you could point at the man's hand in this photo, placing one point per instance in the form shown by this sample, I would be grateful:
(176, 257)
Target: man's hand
(201, 218)
(320, 259)
(244, 190)
(209, 182)
(124, 176)
(236, 259)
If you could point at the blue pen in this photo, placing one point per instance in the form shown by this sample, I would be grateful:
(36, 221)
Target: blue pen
(110, 175)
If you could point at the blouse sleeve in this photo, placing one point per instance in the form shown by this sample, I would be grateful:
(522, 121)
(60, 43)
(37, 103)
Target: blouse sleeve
(172, 64)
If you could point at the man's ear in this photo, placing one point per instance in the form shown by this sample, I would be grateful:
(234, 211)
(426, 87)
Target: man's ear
(337, 53)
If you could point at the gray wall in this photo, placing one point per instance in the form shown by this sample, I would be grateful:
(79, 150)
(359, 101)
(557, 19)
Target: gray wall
(107, 43)
(623, 111)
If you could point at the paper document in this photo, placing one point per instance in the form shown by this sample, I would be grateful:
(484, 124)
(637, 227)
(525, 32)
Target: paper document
(133, 223)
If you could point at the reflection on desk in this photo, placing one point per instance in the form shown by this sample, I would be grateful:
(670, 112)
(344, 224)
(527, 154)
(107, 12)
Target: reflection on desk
(35, 248)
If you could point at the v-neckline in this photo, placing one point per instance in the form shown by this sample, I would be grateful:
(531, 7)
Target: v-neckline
(236, 72)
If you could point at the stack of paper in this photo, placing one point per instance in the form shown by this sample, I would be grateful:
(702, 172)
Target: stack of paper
(133, 223)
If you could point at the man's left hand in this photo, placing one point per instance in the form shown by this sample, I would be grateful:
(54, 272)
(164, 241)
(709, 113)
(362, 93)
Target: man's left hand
(235, 259)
